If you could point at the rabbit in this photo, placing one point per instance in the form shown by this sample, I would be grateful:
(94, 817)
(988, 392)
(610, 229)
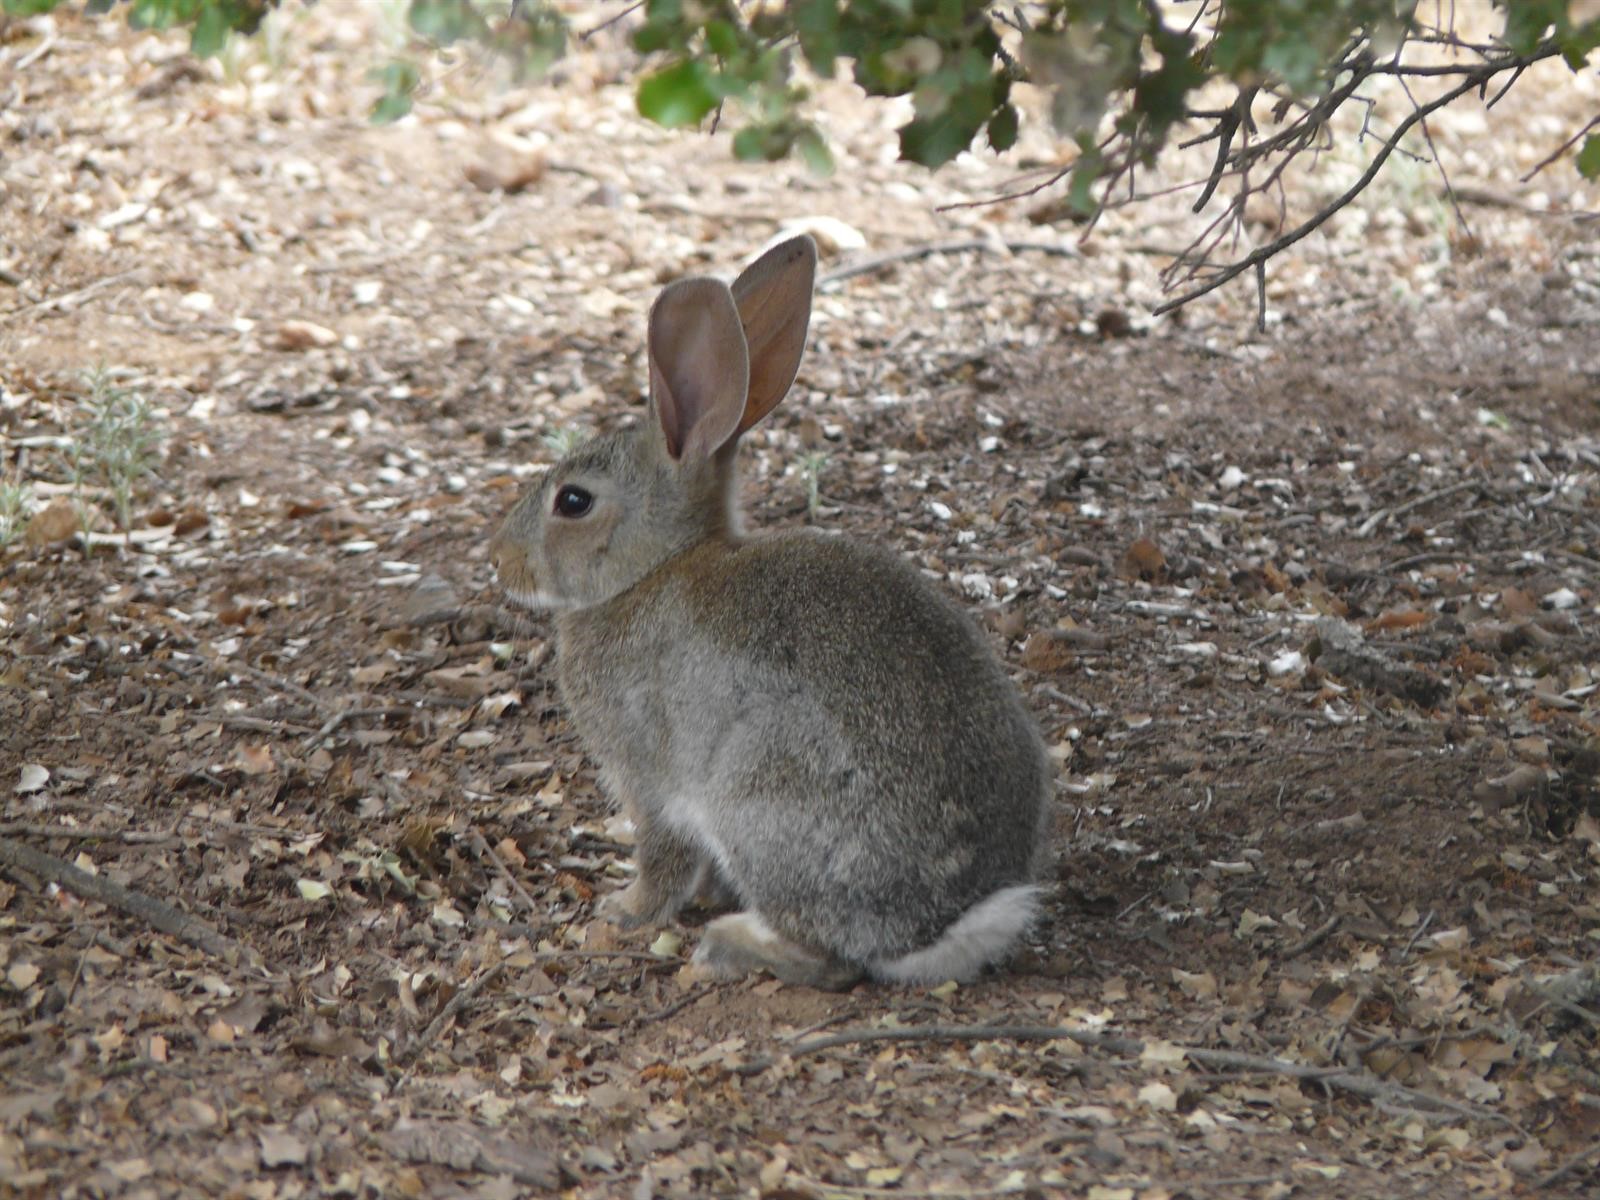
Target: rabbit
(799, 722)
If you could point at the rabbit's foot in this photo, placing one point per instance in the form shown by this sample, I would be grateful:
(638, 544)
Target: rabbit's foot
(742, 942)
(637, 905)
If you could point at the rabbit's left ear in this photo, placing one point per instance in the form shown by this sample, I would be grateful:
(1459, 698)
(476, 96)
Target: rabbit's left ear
(774, 298)
(699, 367)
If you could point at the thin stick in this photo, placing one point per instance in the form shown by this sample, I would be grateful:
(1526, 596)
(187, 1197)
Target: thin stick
(82, 293)
(276, 682)
(1261, 254)
(1315, 938)
(448, 1013)
(1388, 514)
(610, 21)
(1364, 1086)
(676, 1007)
(965, 245)
(1560, 150)
(481, 845)
(350, 714)
(1567, 1168)
(158, 915)
(132, 837)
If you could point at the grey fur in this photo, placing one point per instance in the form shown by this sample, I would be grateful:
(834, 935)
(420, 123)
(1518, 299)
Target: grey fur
(801, 720)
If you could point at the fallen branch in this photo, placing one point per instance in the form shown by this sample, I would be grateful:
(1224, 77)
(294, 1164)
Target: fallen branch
(131, 837)
(157, 914)
(1364, 1086)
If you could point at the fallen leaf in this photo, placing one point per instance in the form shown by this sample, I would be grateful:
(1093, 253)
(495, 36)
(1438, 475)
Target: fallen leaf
(1158, 1096)
(1144, 560)
(55, 522)
(280, 1148)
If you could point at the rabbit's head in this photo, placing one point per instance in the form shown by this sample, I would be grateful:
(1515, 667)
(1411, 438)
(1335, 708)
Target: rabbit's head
(617, 507)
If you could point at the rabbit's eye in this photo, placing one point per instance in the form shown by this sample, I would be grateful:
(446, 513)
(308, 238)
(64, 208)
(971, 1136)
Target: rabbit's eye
(573, 501)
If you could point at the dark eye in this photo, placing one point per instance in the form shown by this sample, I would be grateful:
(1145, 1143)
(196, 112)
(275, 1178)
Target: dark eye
(572, 501)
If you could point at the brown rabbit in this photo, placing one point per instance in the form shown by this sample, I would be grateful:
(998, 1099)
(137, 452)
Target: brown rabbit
(796, 719)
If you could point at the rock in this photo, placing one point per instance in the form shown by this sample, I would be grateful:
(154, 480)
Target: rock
(295, 334)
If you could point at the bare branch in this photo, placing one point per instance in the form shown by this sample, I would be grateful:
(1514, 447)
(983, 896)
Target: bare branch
(1475, 79)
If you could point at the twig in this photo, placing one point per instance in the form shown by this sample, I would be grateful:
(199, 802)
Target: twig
(1386, 514)
(351, 714)
(82, 293)
(610, 21)
(1566, 1006)
(1261, 297)
(448, 1013)
(1560, 150)
(1444, 175)
(38, 52)
(132, 837)
(676, 1007)
(276, 682)
(1261, 254)
(1362, 1085)
(481, 845)
(965, 245)
(160, 916)
(1315, 938)
(1417, 934)
(1567, 1168)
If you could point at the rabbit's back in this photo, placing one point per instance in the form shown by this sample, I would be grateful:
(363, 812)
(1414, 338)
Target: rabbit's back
(830, 728)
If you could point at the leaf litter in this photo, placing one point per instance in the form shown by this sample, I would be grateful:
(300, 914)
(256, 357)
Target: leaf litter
(1308, 617)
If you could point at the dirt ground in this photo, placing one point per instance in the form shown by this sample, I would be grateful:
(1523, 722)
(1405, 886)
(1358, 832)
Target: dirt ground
(1308, 616)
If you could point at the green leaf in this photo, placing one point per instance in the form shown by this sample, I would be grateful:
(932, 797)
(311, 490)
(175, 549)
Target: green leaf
(445, 21)
(28, 8)
(814, 151)
(816, 23)
(679, 95)
(1003, 128)
(763, 143)
(1589, 157)
(399, 81)
(934, 141)
(155, 14)
(210, 32)
(1080, 195)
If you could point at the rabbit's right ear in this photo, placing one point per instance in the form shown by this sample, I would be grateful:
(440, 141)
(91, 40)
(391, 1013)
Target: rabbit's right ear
(774, 298)
(699, 367)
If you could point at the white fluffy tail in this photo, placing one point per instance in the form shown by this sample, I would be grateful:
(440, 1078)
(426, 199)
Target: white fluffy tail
(985, 933)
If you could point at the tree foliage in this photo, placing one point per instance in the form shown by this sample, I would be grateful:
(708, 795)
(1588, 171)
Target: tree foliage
(1262, 79)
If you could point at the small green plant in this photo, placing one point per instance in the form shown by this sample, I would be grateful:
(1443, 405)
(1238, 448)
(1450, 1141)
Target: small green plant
(811, 468)
(16, 503)
(116, 446)
(562, 442)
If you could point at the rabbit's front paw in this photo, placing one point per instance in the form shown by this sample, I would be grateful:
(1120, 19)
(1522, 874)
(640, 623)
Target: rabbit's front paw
(631, 908)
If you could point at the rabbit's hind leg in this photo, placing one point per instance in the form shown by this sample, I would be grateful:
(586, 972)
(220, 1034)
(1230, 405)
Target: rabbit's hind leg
(742, 942)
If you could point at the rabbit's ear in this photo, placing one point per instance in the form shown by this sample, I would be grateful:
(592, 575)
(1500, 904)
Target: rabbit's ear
(774, 298)
(699, 367)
